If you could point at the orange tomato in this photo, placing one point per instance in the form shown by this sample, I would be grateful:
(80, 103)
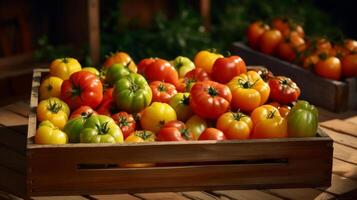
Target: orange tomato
(248, 91)
(286, 26)
(205, 60)
(263, 112)
(310, 61)
(349, 65)
(235, 125)
(269, 41)
(283, 109)
(350, 45)
(339, 51)
(329, 68)
(255, 30)
(120, 58)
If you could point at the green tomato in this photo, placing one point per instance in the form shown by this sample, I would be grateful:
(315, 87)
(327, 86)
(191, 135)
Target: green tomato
(303, 120)
(132, 93)
(91, 69)
(101, 129)
(196, 125)
(73, 128)
(183, 65)
(180, 102)
(116, 72)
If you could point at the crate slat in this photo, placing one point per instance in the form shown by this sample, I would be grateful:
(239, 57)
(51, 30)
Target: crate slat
(247, 194)
(344, 169)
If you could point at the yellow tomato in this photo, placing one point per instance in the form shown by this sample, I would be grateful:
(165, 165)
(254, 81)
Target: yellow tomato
(156, 115)
(140, 136)
(235, 125)
(53, 110)
(50, 87)
(196, 125)
(47, 133)
(91, 69)
(205, 59)
(274, 127)
(64, 67)
(120, 58)
(263, 112)
(248, 91)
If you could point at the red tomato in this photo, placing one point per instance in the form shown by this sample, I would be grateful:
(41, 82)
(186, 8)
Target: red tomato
(224, 69)
(349, 65)
(161, 70)
(329, 68)
(144, 63)
(269, 41)
(108, 94)
(283, 90)
(209, 99)
(83, 88)
(83, 111)
(174, 131)
(125, 122)
(212, 134)
(197, 74)
(289, 49)
(107, 107)
(162, 92)
(287, 26)
(255, 30)
(350, 45)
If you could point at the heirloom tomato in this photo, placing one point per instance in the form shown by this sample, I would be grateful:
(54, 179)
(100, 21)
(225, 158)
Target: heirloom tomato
(64, 67)
(47, 133)
(205, 60)
(262, 112)
(235, 125)
(74, 126)
(263, 72)
(53, 110)
(350, 45)
(50, 87)
(310, 61)
(107, 108)
(108, 94)
(180, 102)
(283, 109)
(82, 89)
(255, 30)
(174, 131)
(287, 26)
(303, 120)
(116, 72)
(224, 69)
(283, 90)
(291, 47)
(144, 63)
(156, 115)
(183, 65)
(120, 58)
(132, 93)
(141, 136)
(269, 41)
(209, 99)
(101, 129)
(248, 91)
(92, 69)
(349, 65)
(212, 134)
(329, 68)
(82, 111)
(196, 125)
(197, 74)
(162, 92)
(126, 123)
(161, 70)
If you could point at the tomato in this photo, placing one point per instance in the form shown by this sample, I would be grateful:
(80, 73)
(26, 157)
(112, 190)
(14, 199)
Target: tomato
(212, 134)
(174, 131)
(116, 72)
(82, 111)
(180, 102)
(126, 123)
(144, 63)
(74, 126)
(291, 47)
(101, 129)
(53, 110)
(269, 41)
(339, 51)
(50, 87)
(283, 109)
(235, 125)
(47, 133)
(156, 115)
(108, 94)
(183, 65)
(196, 125)
(82, 89)
(132, 93)
(224, 69)
(263, 72)
(286, 26)
(248, 91)
(329, 68)
(209, 99)
(141, 136)
(268, 123)
(107, 108)
(205, 60)
(283, 90)
(64, 67)
(321, 46)
(162, 92)
(349, 65)
(92, 69)
(161, 70)
(303, 120)
(197, 74)
(310, 61)
(120, 58)
(255, 31)
(350, 45)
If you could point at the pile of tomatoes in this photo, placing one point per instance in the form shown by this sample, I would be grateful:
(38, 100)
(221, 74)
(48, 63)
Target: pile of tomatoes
(286, 40)
(212, 98)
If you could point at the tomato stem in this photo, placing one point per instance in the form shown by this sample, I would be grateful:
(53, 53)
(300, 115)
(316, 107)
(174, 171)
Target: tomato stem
(185, 133)
(271, 114)
(185, 100)
(54, 106)
(161, 87)
(102, 128)
(143, 135)
(212, 91)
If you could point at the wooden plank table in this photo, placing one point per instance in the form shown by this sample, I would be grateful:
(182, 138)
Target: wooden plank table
(342, 128)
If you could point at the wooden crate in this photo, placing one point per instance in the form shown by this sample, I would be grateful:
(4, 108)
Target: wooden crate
(333, 95)
(80, 169)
